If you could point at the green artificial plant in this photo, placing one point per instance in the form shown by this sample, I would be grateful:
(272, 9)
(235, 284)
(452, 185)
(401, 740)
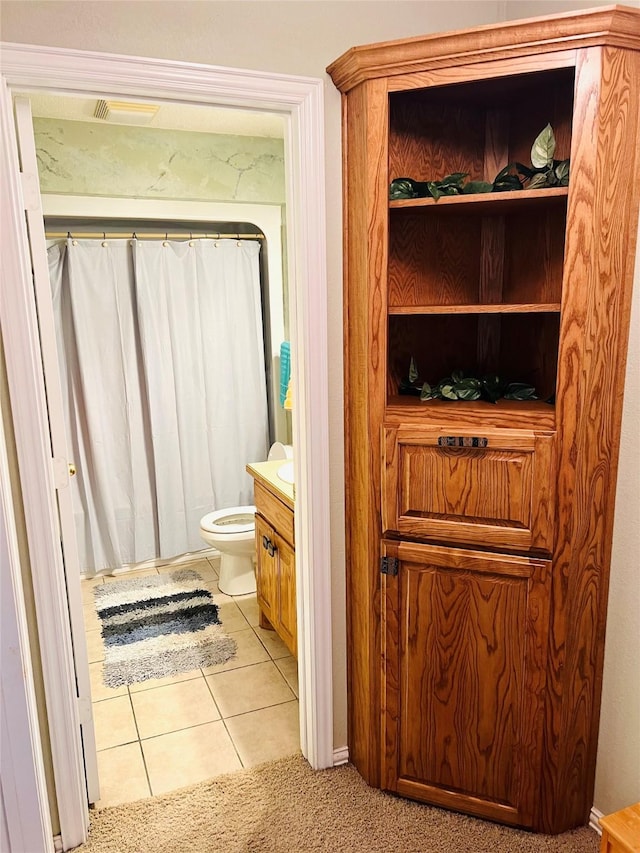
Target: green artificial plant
(543, 172)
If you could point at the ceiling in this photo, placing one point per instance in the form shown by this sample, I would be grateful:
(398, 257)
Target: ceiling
(203, 119)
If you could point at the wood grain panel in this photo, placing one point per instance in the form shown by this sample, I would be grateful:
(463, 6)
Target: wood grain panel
(433, 261)
(534, 254)
(450, 483)
(275, 512)
(529, 350)
(538, 40)
(459, 675)
(492, 204)
(287, 612)
(505, 414)
(438, 345)
(498, 496)
(450, 255)
(548, 102)
(365, 127)
(496, 146)
(491, 260)
(431, 138)
(266, 580)
(603, 216)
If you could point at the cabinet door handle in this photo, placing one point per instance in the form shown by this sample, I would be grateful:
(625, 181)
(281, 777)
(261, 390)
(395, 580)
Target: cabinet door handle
(265, 542)
(462, 441)
(271, 548)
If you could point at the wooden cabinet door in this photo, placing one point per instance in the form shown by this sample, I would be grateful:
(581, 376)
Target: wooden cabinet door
(266, 570)
(492, 488)
(287, 596)
(464, 642)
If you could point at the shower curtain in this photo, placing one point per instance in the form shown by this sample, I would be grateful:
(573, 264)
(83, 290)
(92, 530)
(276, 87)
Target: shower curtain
(161, 351)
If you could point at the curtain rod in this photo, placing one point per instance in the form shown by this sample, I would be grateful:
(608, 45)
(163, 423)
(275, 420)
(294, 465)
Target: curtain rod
(164, 235)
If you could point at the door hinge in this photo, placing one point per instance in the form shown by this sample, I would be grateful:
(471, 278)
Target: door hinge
(30, 190)
(60, 472)
(389, 566)
(84, 710)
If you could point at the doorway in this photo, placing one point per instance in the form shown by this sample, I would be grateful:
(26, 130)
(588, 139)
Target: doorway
(161, 726)
(301, 102)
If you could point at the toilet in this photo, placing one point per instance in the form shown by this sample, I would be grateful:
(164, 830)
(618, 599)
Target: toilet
(231, 531)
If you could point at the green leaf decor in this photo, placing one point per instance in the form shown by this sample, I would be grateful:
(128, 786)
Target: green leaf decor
(459, 386)
(543, 149)
(543, 172)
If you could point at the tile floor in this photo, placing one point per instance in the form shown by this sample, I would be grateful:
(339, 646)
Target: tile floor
(165, 733)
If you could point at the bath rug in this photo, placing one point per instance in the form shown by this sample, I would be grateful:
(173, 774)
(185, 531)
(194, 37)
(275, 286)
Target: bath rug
(159, 625)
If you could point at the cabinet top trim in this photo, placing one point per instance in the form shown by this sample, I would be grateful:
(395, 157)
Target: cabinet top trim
(617, 26)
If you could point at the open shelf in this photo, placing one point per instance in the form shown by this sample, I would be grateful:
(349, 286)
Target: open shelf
(513, 414)
(477, 128)
(480, 203)
(459, 259)
(516, 347)
(501, 308)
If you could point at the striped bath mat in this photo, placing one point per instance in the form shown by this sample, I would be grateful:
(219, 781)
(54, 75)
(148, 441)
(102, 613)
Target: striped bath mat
(159, 625)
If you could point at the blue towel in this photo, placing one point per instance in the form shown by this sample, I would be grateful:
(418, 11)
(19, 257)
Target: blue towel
(285, 369)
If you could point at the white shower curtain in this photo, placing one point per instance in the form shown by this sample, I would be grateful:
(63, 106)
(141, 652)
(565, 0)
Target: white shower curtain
(162, 361)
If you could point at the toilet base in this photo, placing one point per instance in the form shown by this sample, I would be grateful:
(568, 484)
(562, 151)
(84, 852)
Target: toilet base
(237, 575)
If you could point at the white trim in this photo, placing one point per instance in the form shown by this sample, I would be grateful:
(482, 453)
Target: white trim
(26, 387)
(26, 824)
(57, 844)
(340, 756)
(301, 100)
(594, 820)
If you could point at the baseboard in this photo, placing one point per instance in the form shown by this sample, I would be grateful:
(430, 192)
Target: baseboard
(192, 557)
(594, 820)
(340, 756)
(57, 843)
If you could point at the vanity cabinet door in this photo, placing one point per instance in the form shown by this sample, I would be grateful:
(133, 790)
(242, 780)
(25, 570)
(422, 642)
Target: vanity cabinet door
(287, 596)
(266, 569)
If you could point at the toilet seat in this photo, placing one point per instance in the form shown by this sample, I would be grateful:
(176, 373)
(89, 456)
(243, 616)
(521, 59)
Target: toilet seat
(233, 520)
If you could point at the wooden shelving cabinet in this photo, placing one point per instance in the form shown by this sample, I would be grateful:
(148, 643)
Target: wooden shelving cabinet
(479, 534)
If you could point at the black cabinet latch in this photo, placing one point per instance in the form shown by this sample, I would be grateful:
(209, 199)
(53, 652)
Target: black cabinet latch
(389, 566)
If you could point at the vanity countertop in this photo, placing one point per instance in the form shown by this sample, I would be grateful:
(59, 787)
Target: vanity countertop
(267, 474)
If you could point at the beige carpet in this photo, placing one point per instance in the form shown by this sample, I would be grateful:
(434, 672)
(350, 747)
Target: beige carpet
(284, 807)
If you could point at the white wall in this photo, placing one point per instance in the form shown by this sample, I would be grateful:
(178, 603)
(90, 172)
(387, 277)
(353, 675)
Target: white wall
(618, 763)
(302, 38)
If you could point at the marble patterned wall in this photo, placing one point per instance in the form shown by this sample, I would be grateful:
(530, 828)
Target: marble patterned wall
(87, 158)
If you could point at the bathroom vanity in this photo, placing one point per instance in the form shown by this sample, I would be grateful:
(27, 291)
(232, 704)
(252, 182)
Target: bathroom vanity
(275, 551)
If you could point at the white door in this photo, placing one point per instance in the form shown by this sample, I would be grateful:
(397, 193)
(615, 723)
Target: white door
(62, 464)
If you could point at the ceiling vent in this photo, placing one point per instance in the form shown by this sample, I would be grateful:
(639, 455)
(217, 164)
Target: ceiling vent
(124, 112)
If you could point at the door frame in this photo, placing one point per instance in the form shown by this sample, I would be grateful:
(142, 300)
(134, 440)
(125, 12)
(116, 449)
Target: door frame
(300, 101)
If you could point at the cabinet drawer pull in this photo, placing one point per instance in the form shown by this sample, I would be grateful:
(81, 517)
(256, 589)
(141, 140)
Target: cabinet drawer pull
(462, 441)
